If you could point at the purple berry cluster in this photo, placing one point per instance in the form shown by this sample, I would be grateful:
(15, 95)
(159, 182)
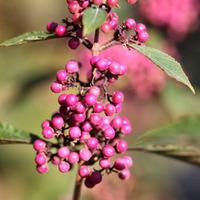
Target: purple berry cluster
(86, 129)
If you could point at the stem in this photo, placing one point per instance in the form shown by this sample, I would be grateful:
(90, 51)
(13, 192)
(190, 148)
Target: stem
(77, 187)
(96, 36)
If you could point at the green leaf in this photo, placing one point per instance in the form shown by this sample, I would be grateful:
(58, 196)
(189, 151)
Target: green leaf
(167, 63)
(179, 140)
(11, 135)
(27, 37)
(93, 18)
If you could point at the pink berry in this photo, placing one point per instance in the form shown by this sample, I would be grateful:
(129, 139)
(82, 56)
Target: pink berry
(85, 154)
(117, 97)
(63, 152)
(45, 124)
(74, 43)
(121, 146)
(126, 129)
(79, 118)
(95, 91)
(129, 161)
(48, 133)
(62, 99)
(98, 107)
(61, 75)
(75, 132)
(113, 24)
(84, 137)
(108, 151)
(60, 30)
(95, 119)
(105, 163)
(51, 27)
(110, 109)
(143, 36)
(114, 68)
(72, 67)
(98, 2)
(118, 108)
(105, 27)
(120, 164)
(39, 145)
(41, 159)
(123, 70)
(109, 133)
(71, 99)
(132, 1)
(94, 60)
(74, 7)
(85, 3)
(87, 127)
(58, 122)
(55, 160)
(112, 3)
(130, 23)
(140, 27)
(92, 143)
(73, 157)
(116, 122)
(102, 64)
(90, 99)
(64, 167)
(88, 183)
(42, 169)
(84, 171)
(79, 108)
(56, 87)
(124, 174)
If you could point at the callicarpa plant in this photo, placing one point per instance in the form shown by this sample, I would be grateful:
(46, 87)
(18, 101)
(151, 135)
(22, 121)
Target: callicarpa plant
(87, 129)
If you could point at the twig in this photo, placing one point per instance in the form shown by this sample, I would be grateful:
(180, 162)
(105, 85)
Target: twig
(77, 187)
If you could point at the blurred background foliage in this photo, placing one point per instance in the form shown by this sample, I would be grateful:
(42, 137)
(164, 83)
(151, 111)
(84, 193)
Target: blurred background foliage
(25, 74)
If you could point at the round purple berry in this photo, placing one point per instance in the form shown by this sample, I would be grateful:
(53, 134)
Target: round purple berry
(48, 133)
(72, 67)
(61, 75)
(114, 68)
(39, 145)
(71, 99)
(42, 169)
(63, 152)
(58, 122)
(84, 171)
(73, 157)
(116, 122)
(108, 151)
(94, 60)
(121, 146)
(62, 99)
(95, 119)
(130, 23)
(105, 163)
(41, 159)
(117, 97)
(109, 133)
(120, 164)
(110, 109)
(124, 174)
(64, 167)
(143, 36)
(98, 107)
(85, 154)
(90, 99)
(95, 91)
(126, 129)
(75, 132)
(140, 27)
(51, 27)
(87, 127)
(129, 161)
(92, 143)
(56, 87)
(102, 64)
(74, 43)
(60, 30)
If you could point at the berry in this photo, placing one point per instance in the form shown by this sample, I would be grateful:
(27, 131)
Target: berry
(51, 26)
(61, 75)
(55, 160)
(39, 145)
(79, 118)
(58, 122)
(86, 126)
(74, 7)
(64, 167)
(117, 97)
(120, 164)
(95, 91)
(48, 133)
(106, 27)
(121, 146)
(95, 119)
(124, 174)
(110, 109)
(42, 169)
(92, 143)
(74, 43)
(73, 158)
(130, 23)
(114, 68)
(116, 122)
(84, 171)
(94, 60)
(132, 1)
(63, 152)
(60, 30)
(90, 99)
(140, 27)
(72, 67)
(143, 36)
(128, 161)
(88, 183)
(62, 99)
(126, 129)
(98, 107)
(40, 159)
(45, 124)
(95, 177)
(112, 3)
(108, 151)
(123, 70)
(75, 132)
(79, 108)
(102, 64)
(105, 163)
(85, 154)
(109, 133)
(98, 2)
(56, 87)
(71, 100)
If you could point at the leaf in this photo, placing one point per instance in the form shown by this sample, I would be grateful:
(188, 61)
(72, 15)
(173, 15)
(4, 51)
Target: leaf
(167, 63)
(11, 135)
(179, 140)
(187, 154)
(27, 37)
(93, 18)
